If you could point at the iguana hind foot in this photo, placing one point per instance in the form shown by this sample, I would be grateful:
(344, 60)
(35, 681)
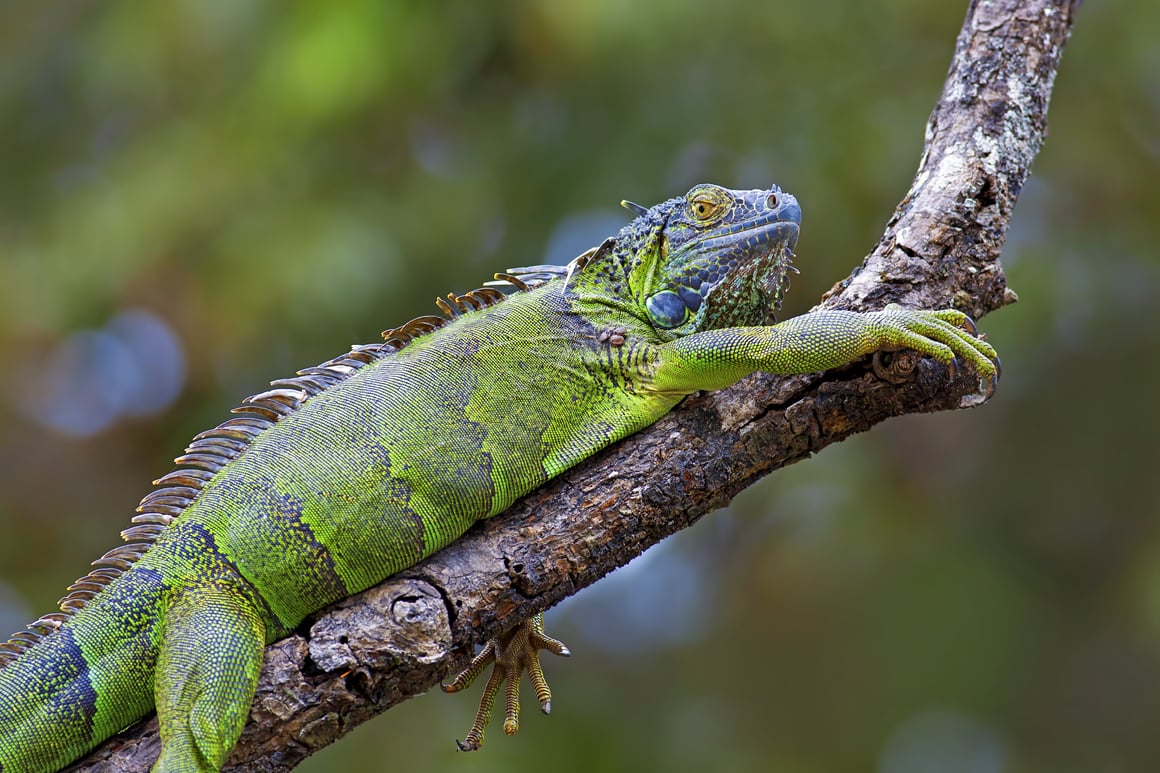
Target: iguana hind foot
(513, 653)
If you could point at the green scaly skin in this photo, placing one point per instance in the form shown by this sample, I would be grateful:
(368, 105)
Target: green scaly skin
(378, 470)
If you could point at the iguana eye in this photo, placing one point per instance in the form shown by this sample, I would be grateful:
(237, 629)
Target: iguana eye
(704, 209)
(667, 309)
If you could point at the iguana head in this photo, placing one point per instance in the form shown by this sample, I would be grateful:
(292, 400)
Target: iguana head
(714, 258)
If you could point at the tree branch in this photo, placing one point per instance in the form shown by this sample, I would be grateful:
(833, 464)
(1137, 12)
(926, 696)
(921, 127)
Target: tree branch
(940, 248)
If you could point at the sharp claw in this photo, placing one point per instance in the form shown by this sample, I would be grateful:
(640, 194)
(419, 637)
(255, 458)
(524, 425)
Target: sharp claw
(969, 324)
(953, 366)
(998, 368)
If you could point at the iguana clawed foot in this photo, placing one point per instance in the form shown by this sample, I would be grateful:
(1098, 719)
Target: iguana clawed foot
(513, 653)
(947, 335)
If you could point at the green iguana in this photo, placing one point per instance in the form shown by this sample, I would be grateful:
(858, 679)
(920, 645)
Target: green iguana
(353, 470)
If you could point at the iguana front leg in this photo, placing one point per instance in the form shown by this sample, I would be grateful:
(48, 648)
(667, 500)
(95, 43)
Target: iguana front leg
(513, 653)
(818, 341)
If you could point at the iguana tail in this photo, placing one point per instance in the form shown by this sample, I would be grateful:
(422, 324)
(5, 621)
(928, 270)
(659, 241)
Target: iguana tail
(84, 681)
(79, 675)
(197, 635)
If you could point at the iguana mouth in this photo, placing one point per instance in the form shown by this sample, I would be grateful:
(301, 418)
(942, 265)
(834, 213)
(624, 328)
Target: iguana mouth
(772, 230)
(754, 264)
(761, 240)
(757, 246)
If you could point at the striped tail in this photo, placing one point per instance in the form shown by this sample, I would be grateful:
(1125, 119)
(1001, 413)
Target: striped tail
(85, 681)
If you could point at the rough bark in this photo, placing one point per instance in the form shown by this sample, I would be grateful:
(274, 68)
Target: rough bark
(940, 248)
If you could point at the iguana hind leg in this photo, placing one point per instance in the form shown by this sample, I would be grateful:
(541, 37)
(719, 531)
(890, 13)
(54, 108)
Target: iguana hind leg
(513, 653)
(207, 670)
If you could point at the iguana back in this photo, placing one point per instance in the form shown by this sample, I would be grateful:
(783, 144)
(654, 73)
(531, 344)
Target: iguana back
(365, 478)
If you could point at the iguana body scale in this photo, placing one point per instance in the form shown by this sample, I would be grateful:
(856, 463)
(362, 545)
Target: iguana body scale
(352, 471)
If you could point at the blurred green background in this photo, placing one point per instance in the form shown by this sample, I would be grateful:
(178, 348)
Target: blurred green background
(199, 196)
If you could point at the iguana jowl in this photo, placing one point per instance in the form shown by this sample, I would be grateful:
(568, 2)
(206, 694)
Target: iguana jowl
(356, 469)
